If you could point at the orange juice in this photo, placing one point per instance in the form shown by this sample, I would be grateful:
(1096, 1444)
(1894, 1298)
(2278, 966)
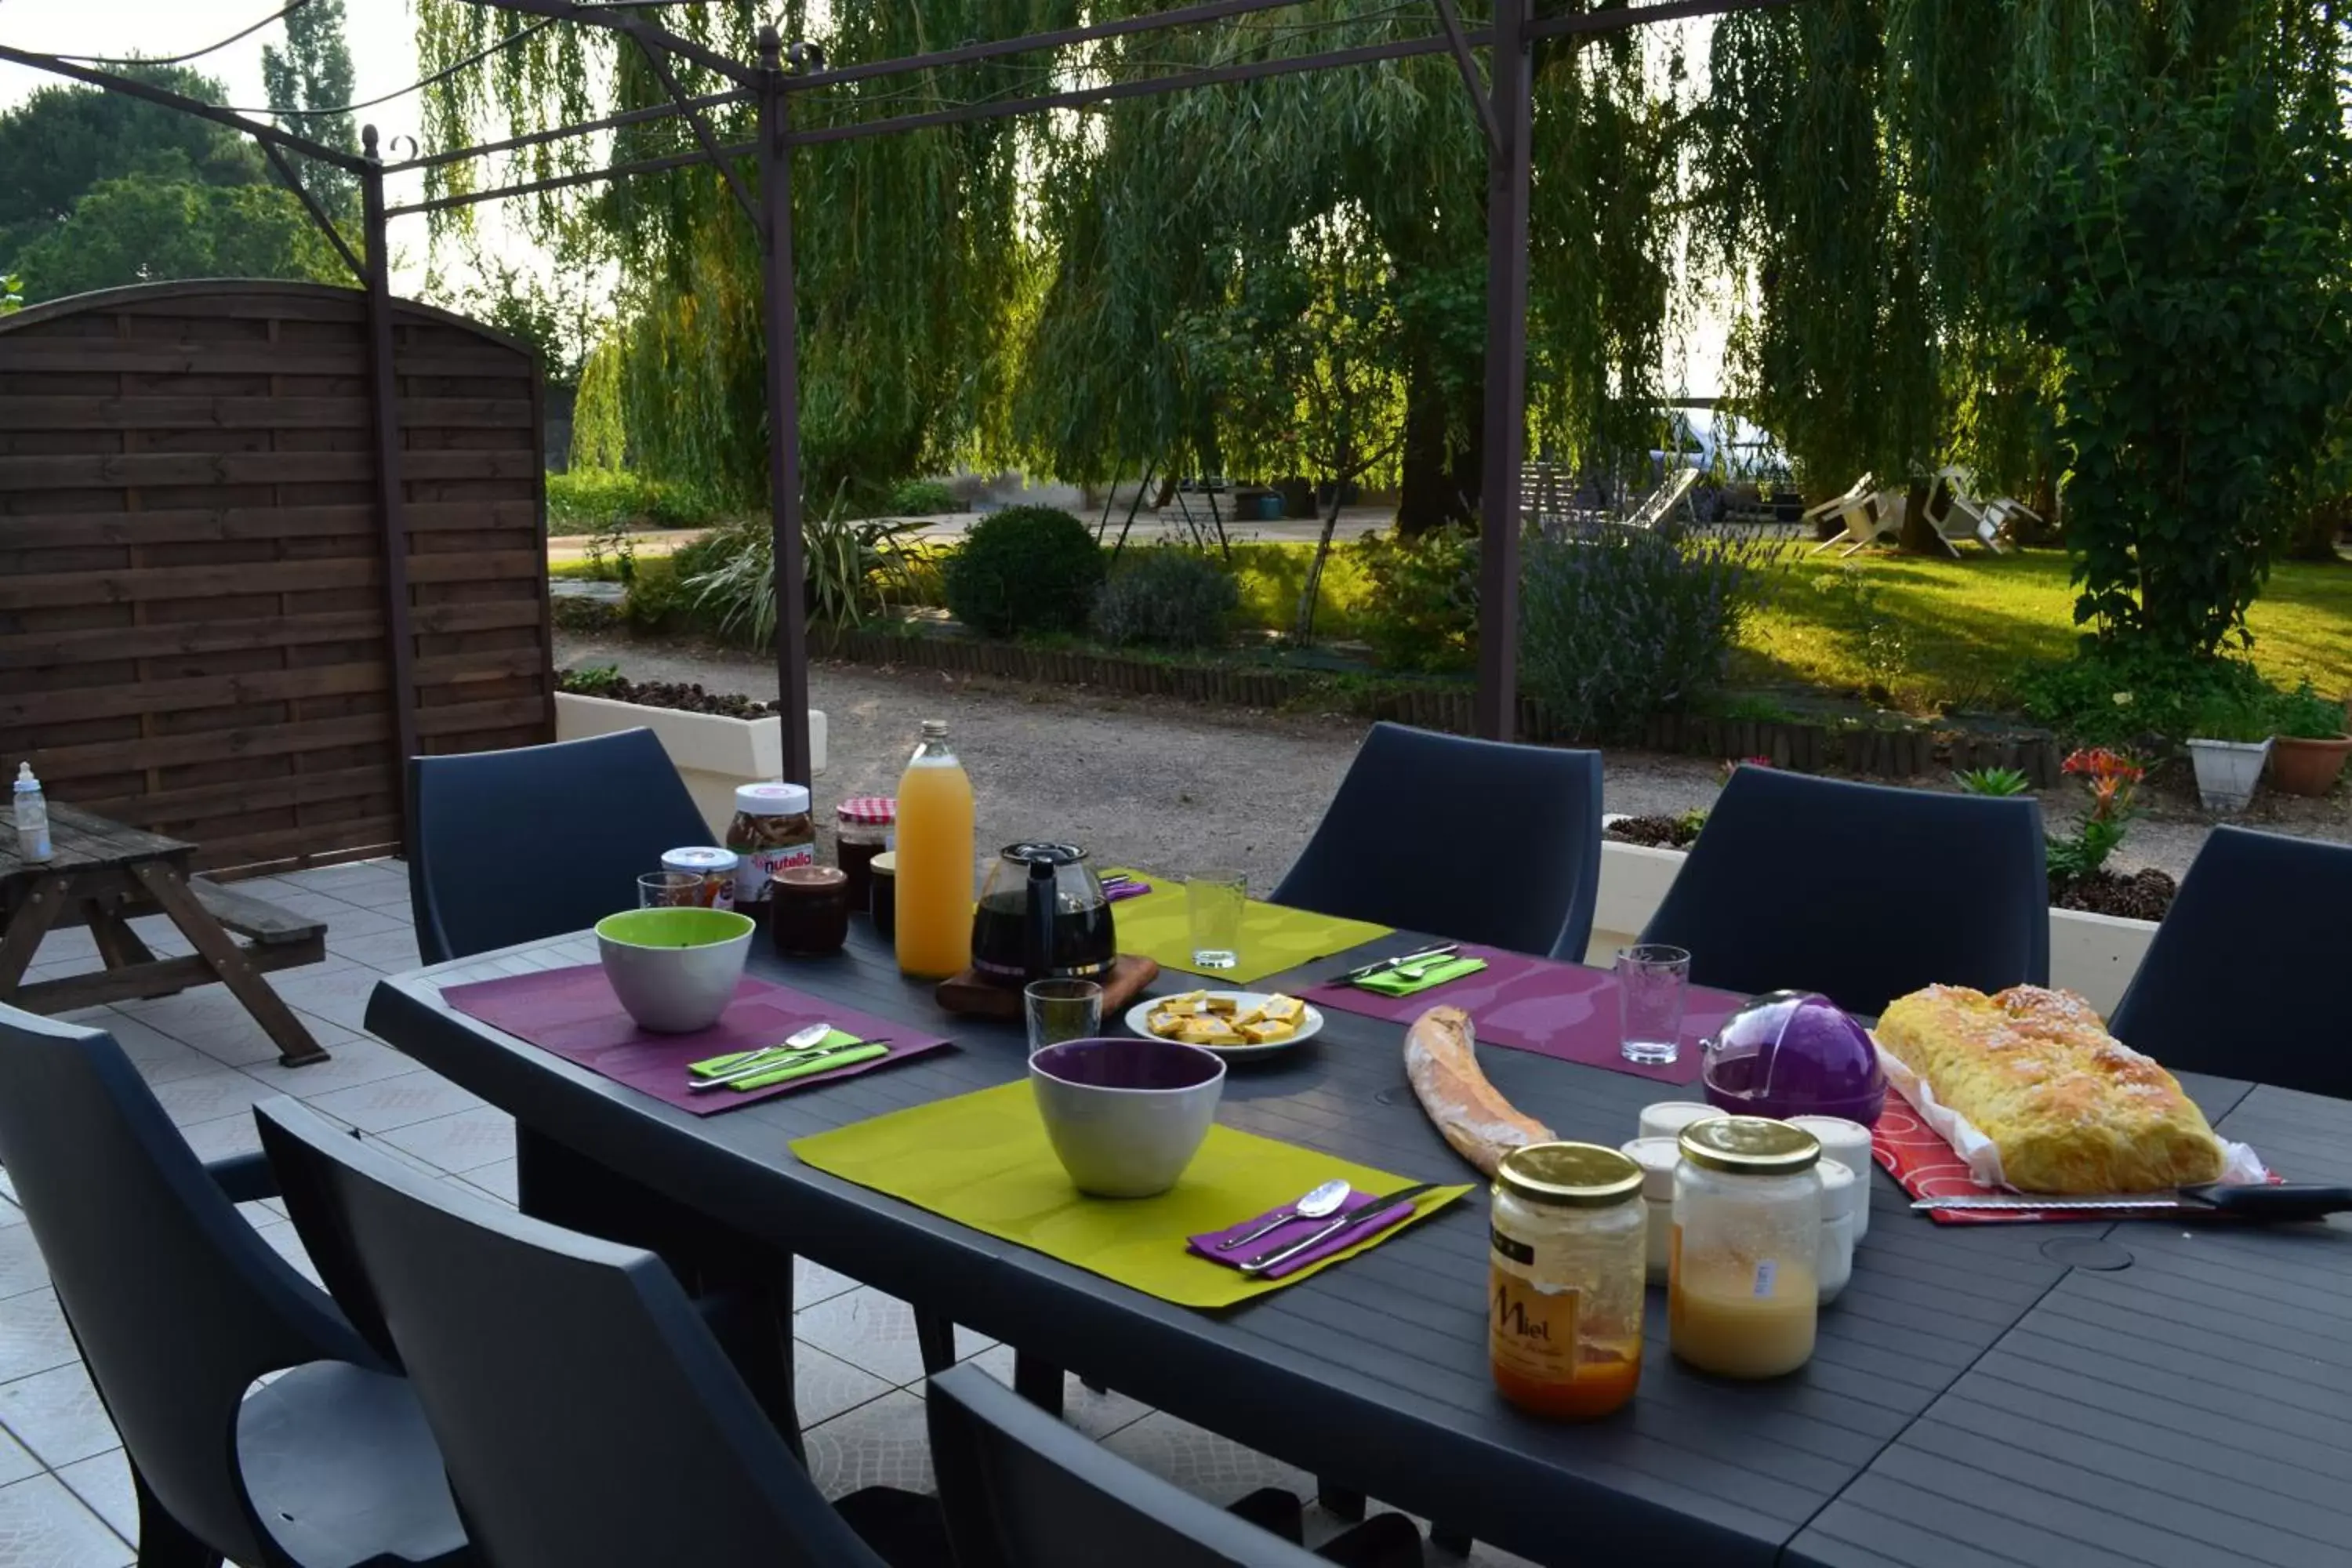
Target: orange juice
(935, 860)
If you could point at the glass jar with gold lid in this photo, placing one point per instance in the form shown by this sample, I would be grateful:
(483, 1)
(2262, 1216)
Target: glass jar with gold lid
(1564, 1281)
(1742, 1300)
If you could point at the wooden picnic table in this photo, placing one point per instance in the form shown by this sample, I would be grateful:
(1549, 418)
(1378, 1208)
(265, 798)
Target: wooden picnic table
(1981, 1394)
(103, 875)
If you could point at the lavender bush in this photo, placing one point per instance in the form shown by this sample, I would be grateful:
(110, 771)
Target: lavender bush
(1616, 625)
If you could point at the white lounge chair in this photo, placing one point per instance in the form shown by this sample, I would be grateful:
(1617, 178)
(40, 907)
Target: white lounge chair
(1865, 516)
(1834, 510)
(1955, 514)
(1662, 502)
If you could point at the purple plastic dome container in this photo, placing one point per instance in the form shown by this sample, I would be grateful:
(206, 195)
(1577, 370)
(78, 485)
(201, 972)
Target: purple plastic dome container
(1794, 1053)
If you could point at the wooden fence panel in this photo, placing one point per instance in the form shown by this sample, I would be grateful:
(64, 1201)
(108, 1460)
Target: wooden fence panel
(194, 624)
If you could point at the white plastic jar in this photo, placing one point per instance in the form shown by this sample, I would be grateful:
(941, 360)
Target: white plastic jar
(1658, 1158)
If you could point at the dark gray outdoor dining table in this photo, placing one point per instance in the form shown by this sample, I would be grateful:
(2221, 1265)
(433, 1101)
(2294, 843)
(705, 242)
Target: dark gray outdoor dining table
(1976, 1397)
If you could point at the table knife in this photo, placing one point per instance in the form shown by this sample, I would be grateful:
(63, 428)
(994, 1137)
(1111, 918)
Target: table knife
(2256, 1200)
(775, 1062)
(1355, 1219)
(1448, 950)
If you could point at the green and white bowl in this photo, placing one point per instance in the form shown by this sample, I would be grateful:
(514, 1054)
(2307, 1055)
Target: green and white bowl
(674, 970)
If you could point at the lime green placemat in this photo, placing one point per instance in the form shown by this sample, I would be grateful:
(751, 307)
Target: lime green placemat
(984, 1159)
(1158, 925)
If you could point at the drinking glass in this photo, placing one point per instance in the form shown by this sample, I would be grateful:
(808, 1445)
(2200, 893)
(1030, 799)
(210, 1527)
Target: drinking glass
(1060, 1010)
(669, 889)
(1215, 899)
(1653, 980)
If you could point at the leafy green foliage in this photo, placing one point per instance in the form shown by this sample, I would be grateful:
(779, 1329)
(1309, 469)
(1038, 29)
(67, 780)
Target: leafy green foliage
(2118, 694)
(1617, 625)
(12, 293)
(311, 73)
(1419, 611)
(142, 228)
(853, 568)
(1165, 597)
(2306, 715)
(63, 141)
(585, 500)
(1025, 569)
(921, 498)
(588, 680)
(2182, 248)
(1996, 782)
(2221, 714)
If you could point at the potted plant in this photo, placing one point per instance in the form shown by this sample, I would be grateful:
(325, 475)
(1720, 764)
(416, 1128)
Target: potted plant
(2229, 740)
(2310, 744)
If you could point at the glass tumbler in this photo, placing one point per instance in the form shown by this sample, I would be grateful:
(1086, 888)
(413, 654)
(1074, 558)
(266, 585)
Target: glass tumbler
(1653, 980)
(1060, 1010)
(1215, 900)
(669, 889)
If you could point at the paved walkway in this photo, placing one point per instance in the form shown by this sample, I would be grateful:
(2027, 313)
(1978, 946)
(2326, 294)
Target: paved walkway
(64, 1492)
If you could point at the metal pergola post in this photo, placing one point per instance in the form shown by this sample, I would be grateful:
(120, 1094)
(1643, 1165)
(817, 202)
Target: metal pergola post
(1504, 108)
(385, 421)
(780, 311)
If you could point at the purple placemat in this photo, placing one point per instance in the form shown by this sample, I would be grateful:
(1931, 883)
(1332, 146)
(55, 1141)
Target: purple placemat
(574, 1012)
(1562, 1010)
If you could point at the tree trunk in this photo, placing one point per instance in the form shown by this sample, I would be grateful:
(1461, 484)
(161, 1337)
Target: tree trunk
(1918, 537)
(1441, 477)
(2315, 534)
(1304, 632)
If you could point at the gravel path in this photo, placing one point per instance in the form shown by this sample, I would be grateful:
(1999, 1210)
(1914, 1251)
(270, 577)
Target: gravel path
(1171, 786)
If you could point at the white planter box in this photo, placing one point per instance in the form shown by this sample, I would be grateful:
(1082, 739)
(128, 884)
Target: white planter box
(2227, 771)
(711, 754)
(2093, 955)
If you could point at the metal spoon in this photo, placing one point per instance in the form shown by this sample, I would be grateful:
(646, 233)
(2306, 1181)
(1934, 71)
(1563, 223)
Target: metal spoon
(1323, 1200)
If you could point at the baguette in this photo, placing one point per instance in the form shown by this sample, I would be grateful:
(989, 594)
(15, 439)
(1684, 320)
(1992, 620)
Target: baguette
(1441, 1061)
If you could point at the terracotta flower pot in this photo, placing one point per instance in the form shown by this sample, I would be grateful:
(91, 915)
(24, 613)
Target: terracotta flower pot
(2308, 767)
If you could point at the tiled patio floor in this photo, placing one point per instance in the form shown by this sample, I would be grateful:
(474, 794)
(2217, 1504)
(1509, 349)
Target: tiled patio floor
(65, 1494)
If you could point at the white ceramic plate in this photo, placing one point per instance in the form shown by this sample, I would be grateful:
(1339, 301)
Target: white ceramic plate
(1310, 1024)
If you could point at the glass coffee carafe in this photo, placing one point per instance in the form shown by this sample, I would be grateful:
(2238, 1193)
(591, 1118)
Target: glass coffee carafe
(1041, 916)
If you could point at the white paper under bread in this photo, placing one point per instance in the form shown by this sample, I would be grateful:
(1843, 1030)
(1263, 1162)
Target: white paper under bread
(1982, 1156)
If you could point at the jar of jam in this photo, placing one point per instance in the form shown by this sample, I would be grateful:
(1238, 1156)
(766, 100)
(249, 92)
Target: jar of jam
(863, 828)
(884, 870)
(1744, 1297)
(808, 910)
(1564, 1291)
(714, 867)
(771, 831)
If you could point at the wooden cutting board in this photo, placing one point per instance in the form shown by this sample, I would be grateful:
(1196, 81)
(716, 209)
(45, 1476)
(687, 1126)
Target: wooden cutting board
(975, 997)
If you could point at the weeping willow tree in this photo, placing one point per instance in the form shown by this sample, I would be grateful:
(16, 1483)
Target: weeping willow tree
(909, 259)
(2100, 239)
(1154, 211)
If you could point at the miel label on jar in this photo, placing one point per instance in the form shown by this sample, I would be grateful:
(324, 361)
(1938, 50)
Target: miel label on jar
(1532, 1330)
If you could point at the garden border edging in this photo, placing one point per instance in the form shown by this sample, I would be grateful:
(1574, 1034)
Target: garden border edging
(1798, 746)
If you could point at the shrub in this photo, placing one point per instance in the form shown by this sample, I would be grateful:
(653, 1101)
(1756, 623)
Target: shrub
(2111, 693)
(1616, 625)
(1165, 597)
(921, 498)
(588, 498)
(851, 566)
(2305, 714)
(1421, 610)
(1025, 569)
(1993, 781)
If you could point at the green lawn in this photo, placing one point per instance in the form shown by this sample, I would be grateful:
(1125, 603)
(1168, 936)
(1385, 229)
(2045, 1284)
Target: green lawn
(1955, 633)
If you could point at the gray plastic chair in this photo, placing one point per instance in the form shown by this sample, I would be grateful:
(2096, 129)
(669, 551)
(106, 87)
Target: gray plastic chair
(1023, 1490)
(534, 842)
(178, 1307)
(1863, 892)
(2240, 980)
(1474, 839)
(586, 1414)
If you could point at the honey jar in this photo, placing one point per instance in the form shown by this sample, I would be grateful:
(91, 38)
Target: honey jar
(1564, 1279)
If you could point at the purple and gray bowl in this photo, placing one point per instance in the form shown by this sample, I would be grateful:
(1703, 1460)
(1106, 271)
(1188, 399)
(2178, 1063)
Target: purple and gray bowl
(1126, 1117)
(1794, 1053)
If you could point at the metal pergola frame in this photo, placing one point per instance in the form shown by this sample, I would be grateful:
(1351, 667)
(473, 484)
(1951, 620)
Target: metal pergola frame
(1502, 103)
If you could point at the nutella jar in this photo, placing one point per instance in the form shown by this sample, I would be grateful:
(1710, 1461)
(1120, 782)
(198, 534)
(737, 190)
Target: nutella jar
(771, 830)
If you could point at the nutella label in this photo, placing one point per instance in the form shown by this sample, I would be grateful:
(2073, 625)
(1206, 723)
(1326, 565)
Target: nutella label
(759, 864)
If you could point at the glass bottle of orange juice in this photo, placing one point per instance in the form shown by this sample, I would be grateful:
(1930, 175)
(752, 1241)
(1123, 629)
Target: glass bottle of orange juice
(935, 860)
